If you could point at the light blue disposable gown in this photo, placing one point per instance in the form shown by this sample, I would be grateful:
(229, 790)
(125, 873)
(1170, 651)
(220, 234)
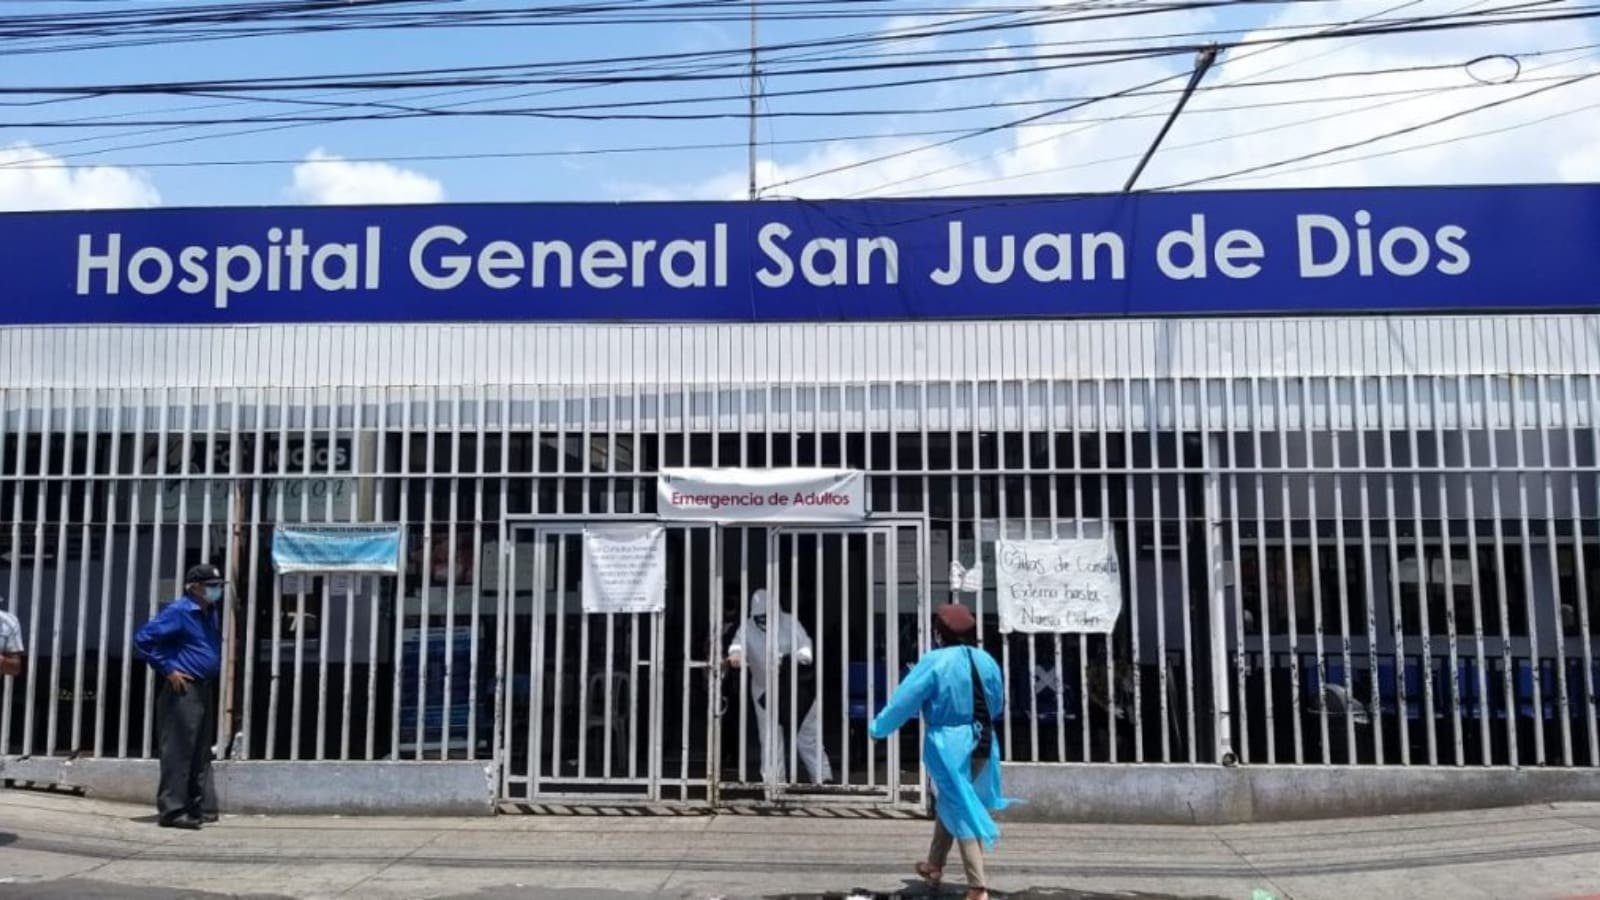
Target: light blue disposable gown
(940, 687)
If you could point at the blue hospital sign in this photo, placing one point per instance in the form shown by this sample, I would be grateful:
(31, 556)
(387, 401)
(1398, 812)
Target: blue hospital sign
(1302, 251)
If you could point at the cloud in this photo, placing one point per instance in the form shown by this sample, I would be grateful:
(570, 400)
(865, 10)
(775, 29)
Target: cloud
(325, 179)
(32, 179)
(1345, 91)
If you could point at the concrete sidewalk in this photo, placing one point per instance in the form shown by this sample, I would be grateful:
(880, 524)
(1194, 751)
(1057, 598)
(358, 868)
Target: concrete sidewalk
(60, 846)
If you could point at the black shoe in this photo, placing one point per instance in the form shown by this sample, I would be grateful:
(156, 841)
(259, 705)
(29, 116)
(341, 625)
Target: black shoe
(210, 818)
(186, 822)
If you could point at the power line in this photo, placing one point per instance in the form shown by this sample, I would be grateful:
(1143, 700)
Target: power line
(523, 73)
(1444, 142)
(238, 21)
(1398, 132)
(531, 18)
(965, 136)
(838, 169)
(1232, 59)
(1390, 98)
(607, 111)
(1396, 97)
(850, 39)
(603, 80)
(702, 146)
(1409, 93)
(397, 112)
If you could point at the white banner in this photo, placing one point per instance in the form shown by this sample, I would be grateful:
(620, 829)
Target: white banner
(625, 569)
(1060, 586)
(761, 495)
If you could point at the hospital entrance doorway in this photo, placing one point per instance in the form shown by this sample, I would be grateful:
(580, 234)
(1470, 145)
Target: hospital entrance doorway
(622, 709)
(818, 625)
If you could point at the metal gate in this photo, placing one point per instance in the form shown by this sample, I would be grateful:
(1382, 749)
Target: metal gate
(608, 708)
(646, 708)
(845, 611)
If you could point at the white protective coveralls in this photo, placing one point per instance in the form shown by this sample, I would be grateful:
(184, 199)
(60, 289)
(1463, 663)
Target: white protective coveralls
(750, 646)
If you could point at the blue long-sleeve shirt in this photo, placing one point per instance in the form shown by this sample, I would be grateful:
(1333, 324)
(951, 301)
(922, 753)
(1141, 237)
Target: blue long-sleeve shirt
(183, 638)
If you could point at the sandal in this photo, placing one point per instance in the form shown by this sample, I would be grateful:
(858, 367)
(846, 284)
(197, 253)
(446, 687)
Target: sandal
(930, 874)
(977, 894)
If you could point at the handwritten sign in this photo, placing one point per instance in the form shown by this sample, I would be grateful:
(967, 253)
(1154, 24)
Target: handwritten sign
(1060, 586)
(625, 569)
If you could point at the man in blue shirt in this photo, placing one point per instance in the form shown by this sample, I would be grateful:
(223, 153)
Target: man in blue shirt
(183, 644)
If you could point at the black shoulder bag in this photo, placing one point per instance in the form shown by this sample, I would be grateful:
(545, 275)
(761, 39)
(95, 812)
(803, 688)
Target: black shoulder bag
(980, 713)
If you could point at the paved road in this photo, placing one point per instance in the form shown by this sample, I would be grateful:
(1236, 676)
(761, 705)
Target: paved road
(54, 846)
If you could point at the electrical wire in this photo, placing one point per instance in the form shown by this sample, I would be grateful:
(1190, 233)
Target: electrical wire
(671, 69)
(1061, 110)
(606, 111)
(1444, 142)
(730, 145)
(1365, 142)
(1233, 59)
(524, 73)
(1407, 96)
(813, 46)
(533, 17)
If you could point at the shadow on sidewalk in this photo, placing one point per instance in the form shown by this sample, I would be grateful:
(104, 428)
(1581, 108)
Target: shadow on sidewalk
(89, 889)
(920, 891)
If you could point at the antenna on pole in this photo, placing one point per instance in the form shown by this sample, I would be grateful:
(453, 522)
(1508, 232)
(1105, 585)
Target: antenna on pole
(755, 87)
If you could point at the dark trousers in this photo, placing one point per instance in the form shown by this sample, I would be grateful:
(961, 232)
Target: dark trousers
(186, 726)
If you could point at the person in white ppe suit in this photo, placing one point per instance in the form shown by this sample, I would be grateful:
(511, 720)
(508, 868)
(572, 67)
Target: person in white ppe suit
(750, 647)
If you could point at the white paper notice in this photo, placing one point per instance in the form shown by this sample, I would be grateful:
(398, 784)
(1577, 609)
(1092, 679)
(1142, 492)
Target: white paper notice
(1061, 586)
(625, 569)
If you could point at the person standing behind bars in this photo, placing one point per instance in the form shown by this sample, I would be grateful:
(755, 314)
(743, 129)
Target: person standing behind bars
(749, 647)
(11, 648)
(183, 643)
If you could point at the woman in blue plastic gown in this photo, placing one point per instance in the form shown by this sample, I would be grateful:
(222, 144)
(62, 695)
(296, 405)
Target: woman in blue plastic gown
(960, 750)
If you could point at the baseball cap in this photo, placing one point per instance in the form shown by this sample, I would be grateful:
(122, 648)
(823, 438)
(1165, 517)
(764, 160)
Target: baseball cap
(202, 574)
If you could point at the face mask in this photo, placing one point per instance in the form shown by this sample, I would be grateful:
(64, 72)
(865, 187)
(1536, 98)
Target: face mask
(214, 594)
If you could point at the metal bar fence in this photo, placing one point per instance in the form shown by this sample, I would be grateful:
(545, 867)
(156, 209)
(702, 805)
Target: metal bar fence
(1344, 569)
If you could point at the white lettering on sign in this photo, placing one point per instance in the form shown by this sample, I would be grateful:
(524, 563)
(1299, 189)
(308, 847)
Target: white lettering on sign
(1060, 586)
(1403, 251)
(1096, 253)
(761, 495)
(600, 264)
(827, 262)
(229, 270)
(753, 256)
(625, 569)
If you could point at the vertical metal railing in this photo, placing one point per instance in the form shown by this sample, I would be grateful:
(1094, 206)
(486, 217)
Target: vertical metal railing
(1399, 569)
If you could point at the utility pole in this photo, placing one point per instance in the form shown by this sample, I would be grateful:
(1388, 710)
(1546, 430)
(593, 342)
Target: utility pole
(755, 87)
(1202, 65)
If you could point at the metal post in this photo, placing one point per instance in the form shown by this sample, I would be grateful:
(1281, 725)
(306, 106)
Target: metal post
(1202, 64)
(755, 87)
(1216, 539)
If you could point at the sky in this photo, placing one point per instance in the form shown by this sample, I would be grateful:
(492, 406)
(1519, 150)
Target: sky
(1406, 108)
